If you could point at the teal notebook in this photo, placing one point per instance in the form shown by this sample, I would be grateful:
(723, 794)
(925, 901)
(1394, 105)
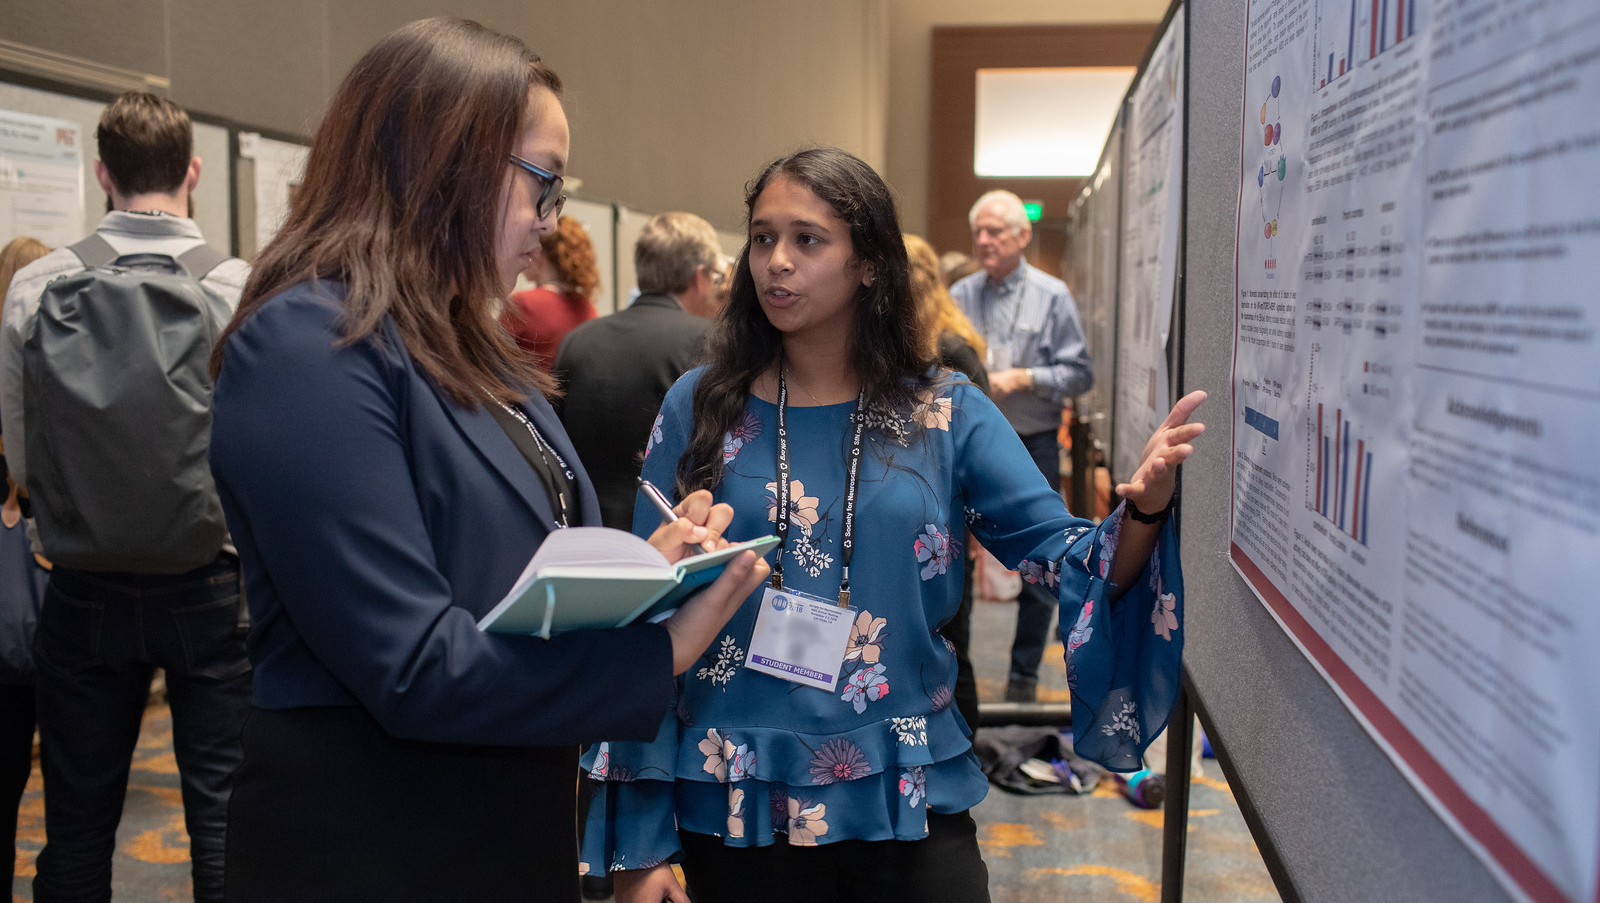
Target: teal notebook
(599, 577)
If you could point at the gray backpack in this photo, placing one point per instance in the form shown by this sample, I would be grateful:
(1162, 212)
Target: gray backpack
(117, 412)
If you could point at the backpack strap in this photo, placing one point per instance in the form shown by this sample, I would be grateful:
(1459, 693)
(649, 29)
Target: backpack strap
(94, 251)
(200, 260)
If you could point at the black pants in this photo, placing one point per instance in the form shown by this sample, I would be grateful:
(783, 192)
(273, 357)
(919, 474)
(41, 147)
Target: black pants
(100, 638)
(945, 867)
(1036, 604)
(16, 760)
(330, 809)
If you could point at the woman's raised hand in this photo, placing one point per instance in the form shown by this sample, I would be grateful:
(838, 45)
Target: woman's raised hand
(1152, 484)
(696, 622)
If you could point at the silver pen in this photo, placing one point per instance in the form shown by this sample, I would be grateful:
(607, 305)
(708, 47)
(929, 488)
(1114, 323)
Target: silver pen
(665, 507)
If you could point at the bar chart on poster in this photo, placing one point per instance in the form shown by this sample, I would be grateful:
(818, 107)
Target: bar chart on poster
(1351, 34)
(1416, 327)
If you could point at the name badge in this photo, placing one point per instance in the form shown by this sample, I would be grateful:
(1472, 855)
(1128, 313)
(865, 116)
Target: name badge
(800, 638)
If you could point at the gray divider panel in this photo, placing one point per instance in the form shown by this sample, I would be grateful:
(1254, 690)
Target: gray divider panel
(1339, 819)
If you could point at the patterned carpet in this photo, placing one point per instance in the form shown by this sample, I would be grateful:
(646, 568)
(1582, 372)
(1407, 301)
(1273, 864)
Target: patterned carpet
(1039, 848)
(152, 859)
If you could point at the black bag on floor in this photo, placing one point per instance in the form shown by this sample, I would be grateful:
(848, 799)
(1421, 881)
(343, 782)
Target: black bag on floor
(1021, 759)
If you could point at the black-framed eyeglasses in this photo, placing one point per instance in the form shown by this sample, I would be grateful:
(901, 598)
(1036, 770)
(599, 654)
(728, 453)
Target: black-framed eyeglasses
(551, 200)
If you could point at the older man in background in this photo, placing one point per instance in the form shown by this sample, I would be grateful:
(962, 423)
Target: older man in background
(1037, 361)
(615, 370)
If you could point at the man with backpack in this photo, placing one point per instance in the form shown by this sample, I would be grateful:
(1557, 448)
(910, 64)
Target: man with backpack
(105, 407)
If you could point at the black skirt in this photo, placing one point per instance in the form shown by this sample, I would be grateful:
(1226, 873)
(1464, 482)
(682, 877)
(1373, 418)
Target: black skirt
(328, 807)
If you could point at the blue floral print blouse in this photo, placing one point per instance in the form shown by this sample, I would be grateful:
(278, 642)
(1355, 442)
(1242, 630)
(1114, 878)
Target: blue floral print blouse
(760, 760)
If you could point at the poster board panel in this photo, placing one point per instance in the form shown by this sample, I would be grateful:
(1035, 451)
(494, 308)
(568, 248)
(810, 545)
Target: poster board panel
(212, 205)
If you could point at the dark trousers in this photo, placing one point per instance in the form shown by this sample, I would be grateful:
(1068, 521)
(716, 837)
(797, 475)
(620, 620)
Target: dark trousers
(1036, 605)
(331, 809)
(16, 759)
(944, 867)
(101, 636)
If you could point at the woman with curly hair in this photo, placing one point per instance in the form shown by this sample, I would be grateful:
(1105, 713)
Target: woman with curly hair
(813, 754)
(567, 277)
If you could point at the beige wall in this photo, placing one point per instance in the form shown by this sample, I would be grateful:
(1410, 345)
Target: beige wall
(674, 105)
(911, 25)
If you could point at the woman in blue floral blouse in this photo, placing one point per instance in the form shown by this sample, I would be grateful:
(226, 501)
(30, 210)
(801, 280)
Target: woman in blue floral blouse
(814, 754)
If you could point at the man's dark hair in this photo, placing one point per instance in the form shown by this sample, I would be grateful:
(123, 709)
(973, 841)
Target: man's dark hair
(146, 143)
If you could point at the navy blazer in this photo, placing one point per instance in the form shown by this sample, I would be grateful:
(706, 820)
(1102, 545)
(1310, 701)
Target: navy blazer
(377, 521)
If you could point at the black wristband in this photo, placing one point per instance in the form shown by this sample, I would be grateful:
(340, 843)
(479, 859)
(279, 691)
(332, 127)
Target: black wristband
(1160, 517)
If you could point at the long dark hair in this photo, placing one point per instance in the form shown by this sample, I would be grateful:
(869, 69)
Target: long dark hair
(400, 202)
(887, 349)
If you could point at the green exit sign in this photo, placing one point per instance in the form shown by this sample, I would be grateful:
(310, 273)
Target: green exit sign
(1034, 209)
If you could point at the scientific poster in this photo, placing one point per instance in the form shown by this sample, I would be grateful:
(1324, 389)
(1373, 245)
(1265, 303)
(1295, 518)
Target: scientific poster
(1416, 393)
(1152, 193)
(41, 179)
(280, 167)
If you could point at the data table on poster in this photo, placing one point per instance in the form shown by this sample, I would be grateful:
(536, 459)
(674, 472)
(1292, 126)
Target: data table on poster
(1416, 388)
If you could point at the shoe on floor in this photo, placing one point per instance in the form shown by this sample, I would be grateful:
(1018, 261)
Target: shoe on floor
(1022, 691)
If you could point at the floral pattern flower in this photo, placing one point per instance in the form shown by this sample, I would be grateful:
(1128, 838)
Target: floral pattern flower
(942, 698)
(717, 751)
(866, 684)
(887, 420)
(1081, 631)
(1108, 544)
(602, 762)
(912, 731)
(914, 785)
(933, 413)
(726, 665)
(655, 435)
(740, 762)
(866, 639)
(839, 760)
(934, 549)
(778, 807)
(1165, 615)
(802, 507)
(809, 555)
(746, 429)
(1030, 570)
(806, 822)
(1123, 723)
(736, 813)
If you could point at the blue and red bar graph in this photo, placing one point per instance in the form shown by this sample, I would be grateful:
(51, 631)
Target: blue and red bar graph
(1343, 497)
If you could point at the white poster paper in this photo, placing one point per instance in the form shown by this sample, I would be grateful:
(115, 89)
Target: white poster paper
(41, 179)
(1416, 392)
(1152, 194)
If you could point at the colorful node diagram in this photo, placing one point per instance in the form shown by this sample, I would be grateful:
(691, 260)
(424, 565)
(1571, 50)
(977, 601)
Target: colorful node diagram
(1274, 166)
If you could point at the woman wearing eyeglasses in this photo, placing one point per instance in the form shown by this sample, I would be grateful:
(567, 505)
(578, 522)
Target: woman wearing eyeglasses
(388, 463)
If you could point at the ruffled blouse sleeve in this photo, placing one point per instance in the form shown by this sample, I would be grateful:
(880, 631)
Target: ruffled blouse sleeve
(1123, 657)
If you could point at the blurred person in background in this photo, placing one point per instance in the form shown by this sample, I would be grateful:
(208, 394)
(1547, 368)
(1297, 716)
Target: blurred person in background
(566, 276)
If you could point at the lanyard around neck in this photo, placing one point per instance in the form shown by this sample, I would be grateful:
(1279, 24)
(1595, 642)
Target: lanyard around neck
(557, 494)
(858, 422)
(1016, 310)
